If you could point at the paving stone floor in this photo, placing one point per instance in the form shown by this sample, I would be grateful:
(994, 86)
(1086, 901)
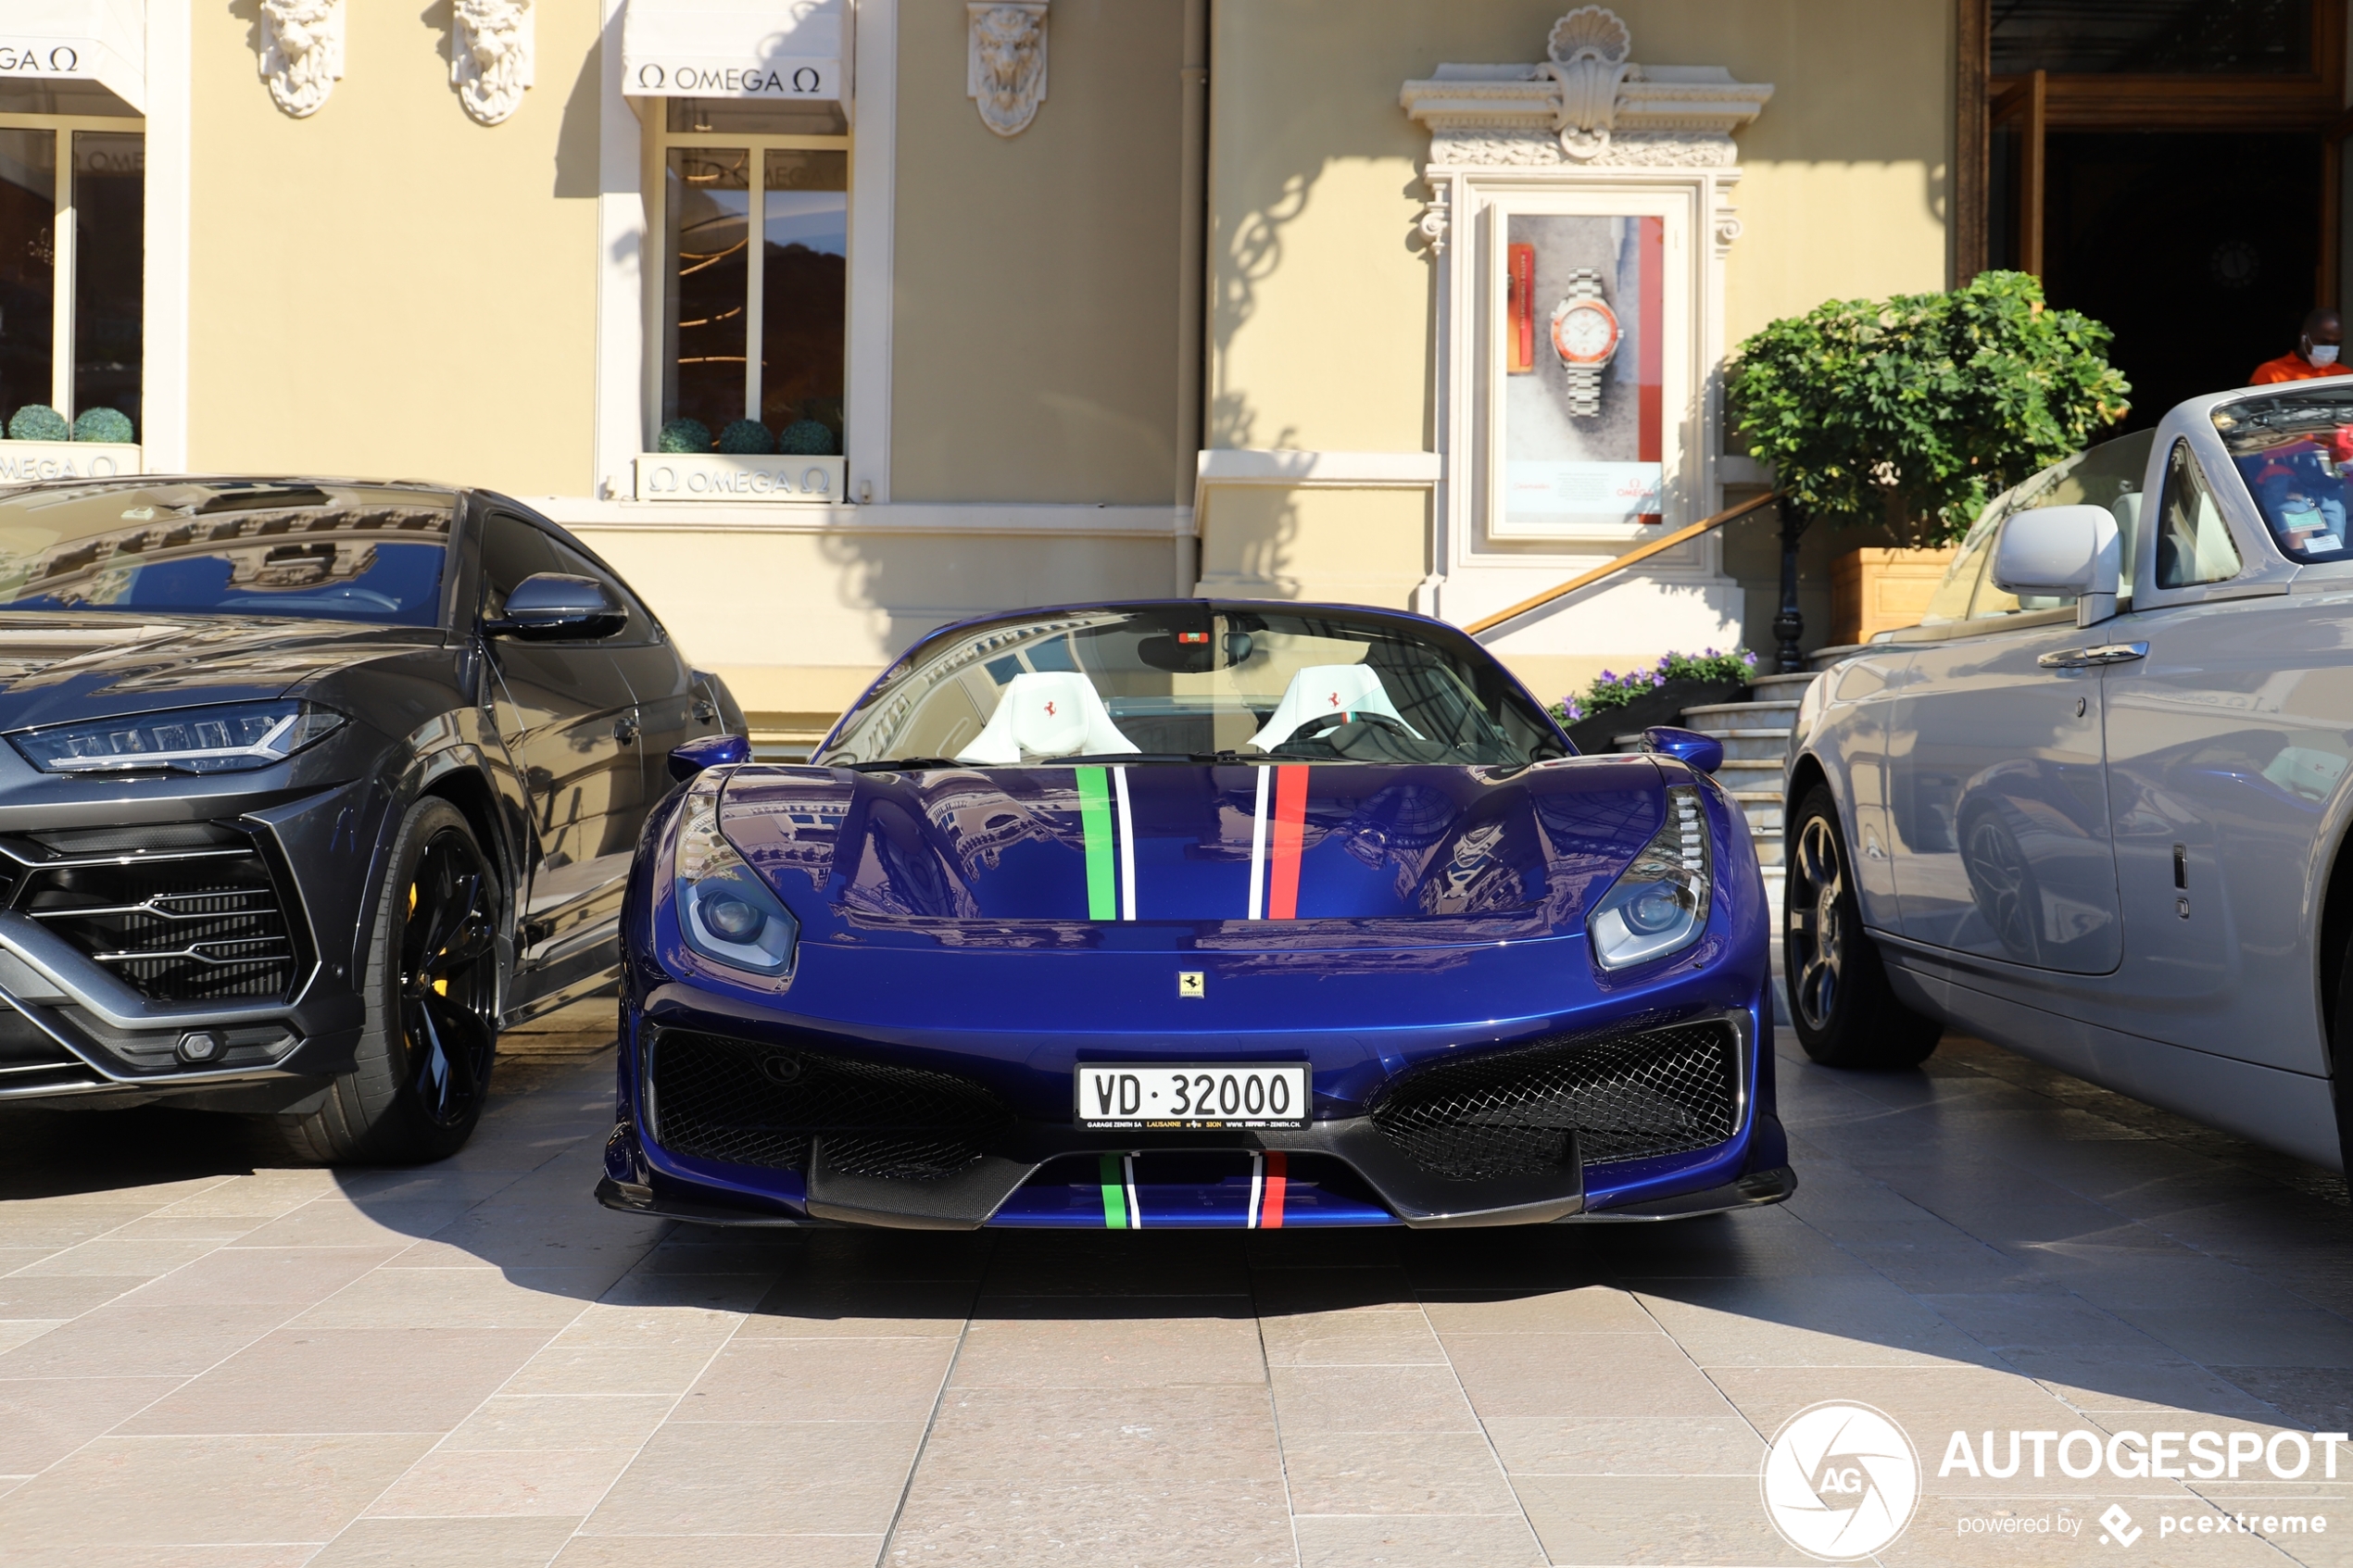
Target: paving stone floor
(209, 1357)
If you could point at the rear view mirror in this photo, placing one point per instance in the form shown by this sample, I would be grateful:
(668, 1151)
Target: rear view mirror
(1704, 753)
(2063, 550)
(710, 751)
(554, 606)
(2069, 551)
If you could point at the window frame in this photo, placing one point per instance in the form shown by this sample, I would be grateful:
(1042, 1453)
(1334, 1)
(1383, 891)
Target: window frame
(63, 241)
(659, 141)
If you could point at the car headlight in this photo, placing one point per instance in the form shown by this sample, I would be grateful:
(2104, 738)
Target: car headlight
(725, 912)
(1659, 903)
(233, 737)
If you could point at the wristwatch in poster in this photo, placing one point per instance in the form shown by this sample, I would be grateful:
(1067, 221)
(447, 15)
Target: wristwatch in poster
(1585, 335)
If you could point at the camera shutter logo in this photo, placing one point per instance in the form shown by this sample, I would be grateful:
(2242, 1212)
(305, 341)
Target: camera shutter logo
(1840, 1481)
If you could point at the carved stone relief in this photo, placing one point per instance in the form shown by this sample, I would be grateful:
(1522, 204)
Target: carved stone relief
(491, 47)
(301, 52)
(1005, 68)
(1587, 104)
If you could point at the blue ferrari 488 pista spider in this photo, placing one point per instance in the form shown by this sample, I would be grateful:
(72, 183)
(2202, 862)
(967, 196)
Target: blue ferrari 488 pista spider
(1190, 914)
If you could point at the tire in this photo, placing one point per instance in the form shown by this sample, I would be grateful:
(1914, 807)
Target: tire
(422, 1072)
(1840, 1002)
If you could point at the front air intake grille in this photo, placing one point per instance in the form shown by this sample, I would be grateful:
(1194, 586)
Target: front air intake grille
(749, 1103)
(175, 923)
(1665, 1091)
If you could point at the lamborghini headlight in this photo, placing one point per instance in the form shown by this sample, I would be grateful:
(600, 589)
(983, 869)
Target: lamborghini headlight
(1659, 904)
(725, 912)
(231, 737)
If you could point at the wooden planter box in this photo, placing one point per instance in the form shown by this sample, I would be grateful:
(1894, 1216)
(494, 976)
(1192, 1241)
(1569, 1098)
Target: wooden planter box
(1875, 590)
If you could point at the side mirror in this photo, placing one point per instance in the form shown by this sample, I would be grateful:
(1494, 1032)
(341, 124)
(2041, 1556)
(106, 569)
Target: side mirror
(553, 607)
(2069, 551)
(710, 751)
(1689, 746)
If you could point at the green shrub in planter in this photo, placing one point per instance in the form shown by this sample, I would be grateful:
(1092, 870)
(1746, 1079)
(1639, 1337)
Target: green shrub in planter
(38, 421)
(746, 438)
(806, 438)
(1917, 409)
(103, 424)
(684, 435)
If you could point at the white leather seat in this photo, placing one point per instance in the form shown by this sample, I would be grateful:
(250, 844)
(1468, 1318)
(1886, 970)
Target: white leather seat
(1043, 715)
(1327, 688)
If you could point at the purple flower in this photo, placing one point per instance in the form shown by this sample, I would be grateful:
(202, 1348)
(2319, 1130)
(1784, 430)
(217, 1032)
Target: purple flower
(1608, 677)
(1658, 680)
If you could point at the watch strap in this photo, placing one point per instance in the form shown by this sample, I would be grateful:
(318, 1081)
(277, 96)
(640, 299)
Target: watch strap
(1584, 389)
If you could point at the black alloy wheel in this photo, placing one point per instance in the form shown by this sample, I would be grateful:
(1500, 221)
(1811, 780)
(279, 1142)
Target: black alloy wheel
(1845, 1012)
(420, 1072)
(449, 981)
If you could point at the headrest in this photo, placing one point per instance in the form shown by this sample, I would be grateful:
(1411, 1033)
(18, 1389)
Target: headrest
(1327, 688)
(1042, 716)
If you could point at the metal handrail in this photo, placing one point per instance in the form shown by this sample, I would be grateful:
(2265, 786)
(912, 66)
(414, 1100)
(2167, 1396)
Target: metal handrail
(1728, 515)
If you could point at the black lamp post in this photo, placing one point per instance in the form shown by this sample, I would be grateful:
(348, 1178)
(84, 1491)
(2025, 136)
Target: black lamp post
(1790, 625)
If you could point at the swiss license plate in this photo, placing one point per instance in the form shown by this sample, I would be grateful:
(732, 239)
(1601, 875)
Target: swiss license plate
(1207, 1093)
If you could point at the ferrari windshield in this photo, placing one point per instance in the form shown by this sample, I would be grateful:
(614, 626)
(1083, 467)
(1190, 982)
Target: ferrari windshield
(227, 548)
(1195, 682)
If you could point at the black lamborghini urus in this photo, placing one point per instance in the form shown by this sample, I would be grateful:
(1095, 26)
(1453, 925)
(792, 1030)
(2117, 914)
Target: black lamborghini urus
(309, 787)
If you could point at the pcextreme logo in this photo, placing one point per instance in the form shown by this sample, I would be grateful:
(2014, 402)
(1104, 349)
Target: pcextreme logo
(1840, 1481)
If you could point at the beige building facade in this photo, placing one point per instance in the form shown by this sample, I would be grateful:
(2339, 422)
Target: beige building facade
(1047, 300)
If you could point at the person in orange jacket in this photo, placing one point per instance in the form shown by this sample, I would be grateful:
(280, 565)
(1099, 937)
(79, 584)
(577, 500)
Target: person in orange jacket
(2317, 352)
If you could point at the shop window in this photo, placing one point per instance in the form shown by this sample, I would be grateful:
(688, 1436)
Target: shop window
(755, 226)
(72, 199)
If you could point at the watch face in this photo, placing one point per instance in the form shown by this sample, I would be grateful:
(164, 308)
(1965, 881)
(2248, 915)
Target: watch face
(1584, 332)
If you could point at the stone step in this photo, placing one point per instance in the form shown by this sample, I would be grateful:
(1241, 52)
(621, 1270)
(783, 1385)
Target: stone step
(1778, 688)
(1742, 775)
(1717, 716)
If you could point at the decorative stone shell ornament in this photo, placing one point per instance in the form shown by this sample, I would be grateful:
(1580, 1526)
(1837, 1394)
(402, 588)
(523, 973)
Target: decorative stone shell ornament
(301, 52)
(491, 49)
(1005, 64)
(1588, 50)
(1587, 104)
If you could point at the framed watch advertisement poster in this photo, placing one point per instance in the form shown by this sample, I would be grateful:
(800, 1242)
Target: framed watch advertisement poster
(1581, 427)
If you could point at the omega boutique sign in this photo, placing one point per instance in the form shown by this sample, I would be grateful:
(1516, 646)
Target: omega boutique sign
(731, 49)
(100, 40)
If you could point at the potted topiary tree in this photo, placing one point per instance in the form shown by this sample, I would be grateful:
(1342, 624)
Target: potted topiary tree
(1915, 411)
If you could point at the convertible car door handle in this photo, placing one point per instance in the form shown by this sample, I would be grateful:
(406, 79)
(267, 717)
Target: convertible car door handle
(2106, 653)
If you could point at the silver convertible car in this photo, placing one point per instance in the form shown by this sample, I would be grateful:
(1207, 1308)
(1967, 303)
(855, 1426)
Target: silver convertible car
(2094, 807)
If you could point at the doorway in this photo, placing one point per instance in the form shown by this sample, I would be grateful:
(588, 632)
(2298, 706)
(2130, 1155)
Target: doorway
(2200, 250)
(2169, 168)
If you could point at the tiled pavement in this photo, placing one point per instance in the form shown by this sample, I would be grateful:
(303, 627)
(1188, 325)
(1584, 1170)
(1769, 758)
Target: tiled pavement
(209, 1358)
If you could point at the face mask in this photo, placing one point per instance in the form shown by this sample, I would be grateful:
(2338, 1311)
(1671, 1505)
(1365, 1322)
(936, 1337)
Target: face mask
(2324, 354)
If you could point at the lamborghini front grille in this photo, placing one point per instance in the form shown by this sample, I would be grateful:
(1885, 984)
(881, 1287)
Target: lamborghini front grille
(1510, 1113)
(179, 912)
(750, 1103)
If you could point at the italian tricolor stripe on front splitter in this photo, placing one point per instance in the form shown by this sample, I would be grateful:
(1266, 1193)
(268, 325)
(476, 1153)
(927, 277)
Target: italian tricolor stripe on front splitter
(1269, 1185)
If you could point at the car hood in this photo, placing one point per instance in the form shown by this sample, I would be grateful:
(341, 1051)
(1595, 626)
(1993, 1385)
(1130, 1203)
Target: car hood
(1341, 855)
(58, 667)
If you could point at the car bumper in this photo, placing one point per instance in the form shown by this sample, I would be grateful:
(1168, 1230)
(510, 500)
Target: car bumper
(1360, 1169)
(80, 1020)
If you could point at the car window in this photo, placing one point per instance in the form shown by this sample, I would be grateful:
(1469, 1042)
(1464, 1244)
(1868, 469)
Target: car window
(2107, 475)
(324, 551)
(2295, 452)
(513, 549)
(1202, 680)
(2193, 542)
